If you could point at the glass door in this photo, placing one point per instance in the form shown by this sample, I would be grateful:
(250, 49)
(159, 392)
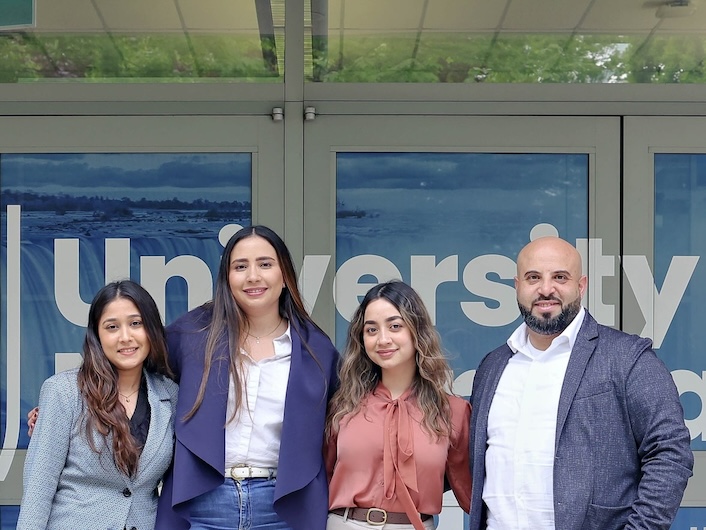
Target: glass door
(445, 203)
(664, 219)
(86, 200)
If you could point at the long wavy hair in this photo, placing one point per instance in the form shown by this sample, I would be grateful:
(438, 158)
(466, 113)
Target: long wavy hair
(98, 378)
(229, 323)
(359, 375)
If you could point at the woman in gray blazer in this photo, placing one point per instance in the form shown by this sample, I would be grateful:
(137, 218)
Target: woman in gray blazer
(105, 435)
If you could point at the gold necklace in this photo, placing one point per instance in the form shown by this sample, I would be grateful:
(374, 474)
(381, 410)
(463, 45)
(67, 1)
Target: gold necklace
(257, 339)
(127, 398)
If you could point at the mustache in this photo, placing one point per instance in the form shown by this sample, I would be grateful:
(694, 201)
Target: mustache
(543, 298)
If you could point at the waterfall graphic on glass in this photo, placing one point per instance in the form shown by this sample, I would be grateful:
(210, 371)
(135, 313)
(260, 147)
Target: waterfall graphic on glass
(71, 222)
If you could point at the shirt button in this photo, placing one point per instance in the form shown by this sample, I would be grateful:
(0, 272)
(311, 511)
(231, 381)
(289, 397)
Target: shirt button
(126, 492)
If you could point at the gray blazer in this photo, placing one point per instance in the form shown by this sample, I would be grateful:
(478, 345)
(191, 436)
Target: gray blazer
(68, 486)
(622, 450)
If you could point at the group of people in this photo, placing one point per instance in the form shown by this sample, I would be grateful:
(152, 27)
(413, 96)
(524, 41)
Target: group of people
(242, 414)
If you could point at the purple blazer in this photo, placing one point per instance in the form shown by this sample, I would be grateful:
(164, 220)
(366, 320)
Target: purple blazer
(301, 492)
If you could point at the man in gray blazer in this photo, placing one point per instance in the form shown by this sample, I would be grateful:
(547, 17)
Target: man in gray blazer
(575, 425)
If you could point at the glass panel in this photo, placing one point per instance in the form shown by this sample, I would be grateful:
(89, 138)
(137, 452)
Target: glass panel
(680, 224)
(8, 517)
(451, 224)
(132, 41)
(689, 518)
(75, 221)
(461, 41)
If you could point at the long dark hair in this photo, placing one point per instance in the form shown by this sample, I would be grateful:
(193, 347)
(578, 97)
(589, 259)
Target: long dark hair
(359, 375)
(98, 378)
(228, 321)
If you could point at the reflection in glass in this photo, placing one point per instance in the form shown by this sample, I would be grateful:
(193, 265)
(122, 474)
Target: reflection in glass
(455, 41)
(362, 41)
(177, 41)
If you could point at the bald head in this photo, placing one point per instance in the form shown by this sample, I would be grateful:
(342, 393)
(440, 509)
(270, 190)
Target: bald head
(550, 248)
(549, 285)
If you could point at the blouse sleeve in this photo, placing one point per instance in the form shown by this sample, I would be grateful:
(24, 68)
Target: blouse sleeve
(458, 466)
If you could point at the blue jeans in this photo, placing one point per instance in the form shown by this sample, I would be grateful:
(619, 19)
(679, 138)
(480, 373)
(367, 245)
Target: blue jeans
(237, 505)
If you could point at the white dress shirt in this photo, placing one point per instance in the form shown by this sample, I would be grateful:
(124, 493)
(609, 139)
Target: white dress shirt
(253, 437)
(519, 461)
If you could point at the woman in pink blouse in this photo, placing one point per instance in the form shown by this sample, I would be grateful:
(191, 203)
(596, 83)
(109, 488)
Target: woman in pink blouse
(394, 433)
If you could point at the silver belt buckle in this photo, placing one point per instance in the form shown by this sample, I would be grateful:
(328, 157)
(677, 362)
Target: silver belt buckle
(241, 466)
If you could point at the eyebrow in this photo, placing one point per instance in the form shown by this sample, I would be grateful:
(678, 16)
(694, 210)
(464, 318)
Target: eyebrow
(388, 319)
(565, 272)
(113, 319)
(261, 258)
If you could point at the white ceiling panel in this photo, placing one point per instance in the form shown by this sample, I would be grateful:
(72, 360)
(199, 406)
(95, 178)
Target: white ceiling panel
(67, 15)
(605, 18)
(220, 15)
(544, 15)
(464, 15)
(138, 15)
(377, 15)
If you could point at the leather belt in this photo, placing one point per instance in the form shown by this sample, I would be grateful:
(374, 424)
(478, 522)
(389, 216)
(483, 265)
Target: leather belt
(242, 471)
(376, 516)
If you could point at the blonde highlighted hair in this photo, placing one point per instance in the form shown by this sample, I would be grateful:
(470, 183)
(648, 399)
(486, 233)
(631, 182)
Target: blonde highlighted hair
(359, 375)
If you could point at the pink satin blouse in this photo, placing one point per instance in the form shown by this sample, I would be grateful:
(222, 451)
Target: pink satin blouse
(383, 445)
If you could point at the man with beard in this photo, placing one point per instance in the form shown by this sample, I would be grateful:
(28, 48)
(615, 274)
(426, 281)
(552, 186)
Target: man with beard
(575, 425)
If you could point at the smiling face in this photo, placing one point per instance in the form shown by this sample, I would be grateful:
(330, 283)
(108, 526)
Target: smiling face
(549, 287)
(123, 336)
(388, 340)
(255, 277)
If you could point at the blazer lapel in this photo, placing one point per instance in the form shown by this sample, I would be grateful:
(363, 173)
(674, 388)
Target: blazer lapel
(290, 430)
(304, 407)
(580, 355)
(482, 407)
(161, 412)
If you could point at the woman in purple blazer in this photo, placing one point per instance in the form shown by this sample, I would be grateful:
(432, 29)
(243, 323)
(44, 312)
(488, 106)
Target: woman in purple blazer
(255, 375)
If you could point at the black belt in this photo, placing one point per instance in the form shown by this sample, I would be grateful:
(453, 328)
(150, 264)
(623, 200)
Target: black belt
(377, 515)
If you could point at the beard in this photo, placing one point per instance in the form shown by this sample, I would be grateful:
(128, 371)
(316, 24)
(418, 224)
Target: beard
(546, 325)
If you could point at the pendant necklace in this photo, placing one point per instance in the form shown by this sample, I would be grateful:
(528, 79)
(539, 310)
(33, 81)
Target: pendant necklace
(257, 339)
(127, 398)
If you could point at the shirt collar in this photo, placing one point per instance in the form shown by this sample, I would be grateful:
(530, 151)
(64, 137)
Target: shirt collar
(519, 338)
(287, 335)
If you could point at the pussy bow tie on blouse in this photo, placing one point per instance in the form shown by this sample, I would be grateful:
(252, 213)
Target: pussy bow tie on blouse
(398, 454)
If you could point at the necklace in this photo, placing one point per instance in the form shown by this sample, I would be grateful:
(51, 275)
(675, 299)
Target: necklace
(257, 339)
(127, 398)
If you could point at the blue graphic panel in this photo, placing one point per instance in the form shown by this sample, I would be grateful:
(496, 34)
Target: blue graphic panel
(680, 225)
(451, 224)
(690, 519)
(8, 517)
(73, 221)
